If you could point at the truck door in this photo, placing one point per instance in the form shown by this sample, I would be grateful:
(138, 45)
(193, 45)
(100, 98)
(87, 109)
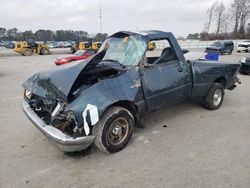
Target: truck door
(166, 79)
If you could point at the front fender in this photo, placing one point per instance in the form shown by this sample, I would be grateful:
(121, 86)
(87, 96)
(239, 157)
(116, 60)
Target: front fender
(101, 95)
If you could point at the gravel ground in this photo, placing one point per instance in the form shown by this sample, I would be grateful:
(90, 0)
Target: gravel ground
(181, 146)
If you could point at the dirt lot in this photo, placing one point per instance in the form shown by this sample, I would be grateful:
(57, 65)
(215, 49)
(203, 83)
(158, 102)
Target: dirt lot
(196, 148)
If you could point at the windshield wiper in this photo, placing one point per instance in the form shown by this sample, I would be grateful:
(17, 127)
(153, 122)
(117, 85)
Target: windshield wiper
(115, 61)
(112, 60)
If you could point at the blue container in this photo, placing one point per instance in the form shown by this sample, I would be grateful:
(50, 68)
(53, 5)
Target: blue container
(212, 56)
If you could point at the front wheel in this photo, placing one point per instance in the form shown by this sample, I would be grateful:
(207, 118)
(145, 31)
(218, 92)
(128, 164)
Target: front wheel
(44, 51)
(27, 52)
(114, 130)
(214, 97)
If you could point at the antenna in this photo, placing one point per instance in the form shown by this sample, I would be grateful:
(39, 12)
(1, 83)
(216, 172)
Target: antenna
(100, 11)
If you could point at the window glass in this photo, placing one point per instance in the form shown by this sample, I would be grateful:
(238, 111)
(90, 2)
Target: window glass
(160, 51)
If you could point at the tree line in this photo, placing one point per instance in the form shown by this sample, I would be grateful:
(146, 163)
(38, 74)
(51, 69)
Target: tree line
(14, 34)
(226, 22)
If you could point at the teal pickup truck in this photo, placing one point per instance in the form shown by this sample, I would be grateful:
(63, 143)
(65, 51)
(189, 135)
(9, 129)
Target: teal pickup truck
(100, 100)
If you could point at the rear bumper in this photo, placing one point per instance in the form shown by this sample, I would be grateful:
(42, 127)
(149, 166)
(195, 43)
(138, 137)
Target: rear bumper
(58, 138)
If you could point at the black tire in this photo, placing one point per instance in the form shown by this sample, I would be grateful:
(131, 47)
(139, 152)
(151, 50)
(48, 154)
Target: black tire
(44, 51)
(216, 91)
(27, 52)
(230, 52)
(104, 130)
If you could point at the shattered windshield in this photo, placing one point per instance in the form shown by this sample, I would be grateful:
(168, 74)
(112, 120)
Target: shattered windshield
(126, 50)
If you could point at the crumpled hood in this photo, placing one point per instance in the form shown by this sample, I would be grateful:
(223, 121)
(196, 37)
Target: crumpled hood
(55, 82)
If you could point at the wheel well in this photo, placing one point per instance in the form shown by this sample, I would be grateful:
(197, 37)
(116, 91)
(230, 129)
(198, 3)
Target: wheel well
(129, 105)
(221, 80)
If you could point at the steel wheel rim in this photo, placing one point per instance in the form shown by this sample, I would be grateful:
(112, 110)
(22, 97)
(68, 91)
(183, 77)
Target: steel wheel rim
(118, 131)
(217, 97)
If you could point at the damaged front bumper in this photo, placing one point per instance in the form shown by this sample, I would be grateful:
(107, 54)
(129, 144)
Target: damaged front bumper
(58, 138)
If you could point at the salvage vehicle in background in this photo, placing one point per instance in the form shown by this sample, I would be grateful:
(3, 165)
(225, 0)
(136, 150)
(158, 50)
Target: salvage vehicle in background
(101, 100)
(85, 45)
(151, 46)
(243, 47)
(30, 46)
(79, 55)
(221, 47)
(245, 65)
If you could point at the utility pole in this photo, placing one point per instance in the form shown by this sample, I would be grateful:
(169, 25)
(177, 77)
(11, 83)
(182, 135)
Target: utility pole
(100, 11)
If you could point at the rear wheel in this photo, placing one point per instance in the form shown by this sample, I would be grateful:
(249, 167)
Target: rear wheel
(114, 130)
(27, 52)
(214, 97)
(230, 52)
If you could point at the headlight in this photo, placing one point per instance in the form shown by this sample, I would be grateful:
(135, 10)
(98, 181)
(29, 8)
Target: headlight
(27, 94)
(243, 60)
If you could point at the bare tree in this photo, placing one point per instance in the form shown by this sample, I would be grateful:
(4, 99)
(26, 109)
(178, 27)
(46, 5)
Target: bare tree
(236, 14)
(226, 22)
(241, 13)
(245, 10)
(210, 13)
(219, 11)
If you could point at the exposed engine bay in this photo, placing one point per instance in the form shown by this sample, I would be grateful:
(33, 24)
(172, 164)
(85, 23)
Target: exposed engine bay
(96, 72)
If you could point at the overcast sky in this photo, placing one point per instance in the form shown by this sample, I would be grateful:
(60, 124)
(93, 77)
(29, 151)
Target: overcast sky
(178, 16)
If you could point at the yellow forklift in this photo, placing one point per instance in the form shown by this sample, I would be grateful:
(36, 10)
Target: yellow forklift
(151, 46)
(85, 45)
(28, 47)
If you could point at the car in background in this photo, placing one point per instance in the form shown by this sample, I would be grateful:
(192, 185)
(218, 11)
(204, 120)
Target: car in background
(221, 47)
(1, 43)
(9, 44)
(51, 45)
(243, 46)
(245, 65)
(68, 44)
(79, 55)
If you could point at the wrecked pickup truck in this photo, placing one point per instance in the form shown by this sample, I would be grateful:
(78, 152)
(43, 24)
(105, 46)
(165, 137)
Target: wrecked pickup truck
(100, 100)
